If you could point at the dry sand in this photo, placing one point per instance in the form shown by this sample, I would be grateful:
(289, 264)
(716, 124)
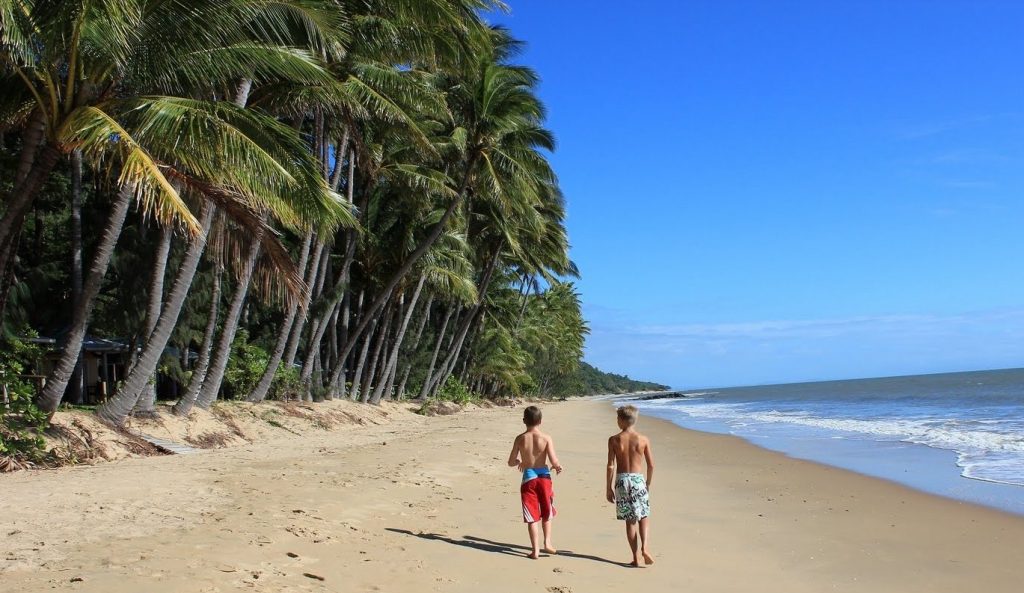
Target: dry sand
(427, 504)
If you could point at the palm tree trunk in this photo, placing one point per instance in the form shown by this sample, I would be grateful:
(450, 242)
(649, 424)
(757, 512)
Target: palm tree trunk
(117, 408)
(448, 366)
(310, 354)
(57, 382)
(338, 291)
(437, 348)
(525, 295)
(342, 150)
(156, 283)
(390, 383)
(300, 323)
(465, 366)
(346, 307)
(392, 360)
(185, 402)
(382, 337)
(147, 400)
(358, 375)
(260, 392)
(474, 330)
(76, 390)
(400, 392)
(318, 142)
(219, 362)
(332, 332)
(242, 92)
(19, 200)
(337, 294)
(33, 171)
(332, 350)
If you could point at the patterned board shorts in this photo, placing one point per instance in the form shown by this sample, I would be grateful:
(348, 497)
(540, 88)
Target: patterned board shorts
(631, 499)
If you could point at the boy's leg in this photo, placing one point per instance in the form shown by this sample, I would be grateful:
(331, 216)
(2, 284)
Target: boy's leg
(547, 512)
(534, 539)
(631, 535)
(548, 547)
(644, 532)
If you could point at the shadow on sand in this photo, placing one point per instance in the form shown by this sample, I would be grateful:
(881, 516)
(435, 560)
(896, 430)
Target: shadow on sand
(486, 545)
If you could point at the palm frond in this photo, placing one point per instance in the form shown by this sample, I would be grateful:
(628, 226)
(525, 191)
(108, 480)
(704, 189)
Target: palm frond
(99, 136)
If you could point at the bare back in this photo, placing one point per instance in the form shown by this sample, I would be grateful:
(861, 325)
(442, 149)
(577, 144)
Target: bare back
(630, 450)
(533, 448)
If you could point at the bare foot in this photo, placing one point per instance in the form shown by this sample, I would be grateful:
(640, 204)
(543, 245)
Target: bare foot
(534, 555)
(549, 550)
(648, 559)
(635, 564)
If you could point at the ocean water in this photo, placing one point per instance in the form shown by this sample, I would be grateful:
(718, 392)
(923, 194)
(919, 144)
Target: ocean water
(959, 435)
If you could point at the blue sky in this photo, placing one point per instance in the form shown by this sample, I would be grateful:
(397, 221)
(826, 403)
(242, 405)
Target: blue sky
(766, 192)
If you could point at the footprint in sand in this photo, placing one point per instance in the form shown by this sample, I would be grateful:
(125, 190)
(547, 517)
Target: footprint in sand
(559, 590)
(298, 560)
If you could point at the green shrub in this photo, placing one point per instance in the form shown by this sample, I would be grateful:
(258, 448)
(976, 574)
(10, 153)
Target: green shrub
(245, 367)
(21, 422)
(456, 391)
(287, 384)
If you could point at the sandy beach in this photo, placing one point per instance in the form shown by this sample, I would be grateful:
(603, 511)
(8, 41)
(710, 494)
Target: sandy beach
(427, 504)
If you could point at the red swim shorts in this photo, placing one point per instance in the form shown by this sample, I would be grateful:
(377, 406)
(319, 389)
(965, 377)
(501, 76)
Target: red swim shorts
(538, 499)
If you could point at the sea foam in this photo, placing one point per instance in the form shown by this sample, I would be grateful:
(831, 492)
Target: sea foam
(987, 448)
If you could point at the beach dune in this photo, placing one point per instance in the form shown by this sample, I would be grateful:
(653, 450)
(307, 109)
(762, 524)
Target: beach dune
(428, 504)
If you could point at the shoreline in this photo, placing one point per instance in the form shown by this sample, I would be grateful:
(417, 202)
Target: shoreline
(936, 470)
(428, 504)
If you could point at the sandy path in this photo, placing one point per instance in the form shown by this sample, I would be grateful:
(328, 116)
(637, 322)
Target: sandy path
(435, 509)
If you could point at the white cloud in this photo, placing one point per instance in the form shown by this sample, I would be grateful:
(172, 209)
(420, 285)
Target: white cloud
(798, 349)
(819, 328)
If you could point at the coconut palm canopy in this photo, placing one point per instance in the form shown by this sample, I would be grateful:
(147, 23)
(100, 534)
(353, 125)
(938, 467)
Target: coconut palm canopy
(292, 198)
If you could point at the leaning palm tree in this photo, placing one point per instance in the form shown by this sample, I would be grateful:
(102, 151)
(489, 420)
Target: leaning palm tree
(372, 93)
(254, 170)
(82, 73)
(491, 102)
(67, 67)
(447, 268)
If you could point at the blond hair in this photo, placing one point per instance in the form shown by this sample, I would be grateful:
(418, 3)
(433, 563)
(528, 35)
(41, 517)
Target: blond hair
(629, 414)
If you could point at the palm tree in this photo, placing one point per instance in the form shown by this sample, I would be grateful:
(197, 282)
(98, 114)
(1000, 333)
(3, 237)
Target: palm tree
(447, 268)
(147, 401)
(263, 387)
(250, 155)
(185, 403)
(493, 104)
(219, 361)
(372, 174)
(69, 66)
(80, 69)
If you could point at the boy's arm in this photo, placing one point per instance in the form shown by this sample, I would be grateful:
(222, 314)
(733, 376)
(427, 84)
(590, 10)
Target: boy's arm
(649, 457)
(552, 457)
(513, 457)
(610, 473)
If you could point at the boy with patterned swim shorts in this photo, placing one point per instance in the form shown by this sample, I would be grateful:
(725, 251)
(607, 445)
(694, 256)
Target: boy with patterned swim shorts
(531, 452)
(627, 487)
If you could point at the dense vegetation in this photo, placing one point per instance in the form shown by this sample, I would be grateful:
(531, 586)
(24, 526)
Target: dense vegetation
(593, 381)
(306, 199)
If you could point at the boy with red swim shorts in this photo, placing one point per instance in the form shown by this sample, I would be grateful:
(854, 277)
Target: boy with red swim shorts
(531, 452)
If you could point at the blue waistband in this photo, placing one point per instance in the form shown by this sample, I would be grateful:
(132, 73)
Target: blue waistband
(536, 472)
